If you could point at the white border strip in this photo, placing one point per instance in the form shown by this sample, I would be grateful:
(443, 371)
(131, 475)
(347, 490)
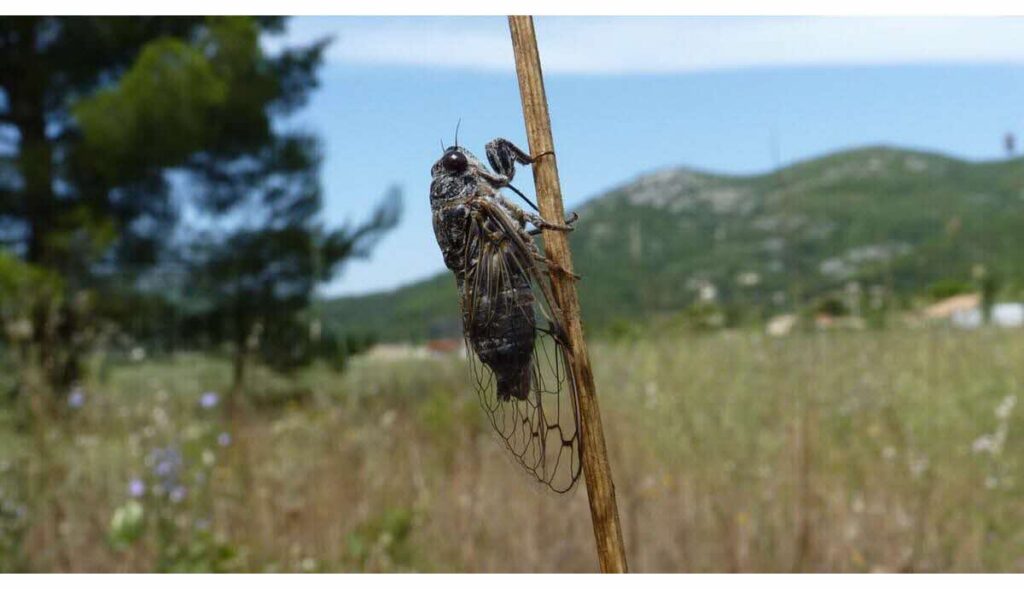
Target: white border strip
(540, 7)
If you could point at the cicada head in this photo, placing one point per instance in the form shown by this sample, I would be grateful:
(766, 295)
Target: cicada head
(456, 162)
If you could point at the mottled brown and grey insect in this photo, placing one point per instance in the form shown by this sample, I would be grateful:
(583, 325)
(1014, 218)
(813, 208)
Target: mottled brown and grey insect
(514, 337)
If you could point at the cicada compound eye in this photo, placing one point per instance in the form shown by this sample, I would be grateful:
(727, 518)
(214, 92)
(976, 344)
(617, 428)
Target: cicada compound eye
(454, 161)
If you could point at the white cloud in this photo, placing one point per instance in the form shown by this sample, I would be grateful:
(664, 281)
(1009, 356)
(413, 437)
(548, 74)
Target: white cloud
(616, 45)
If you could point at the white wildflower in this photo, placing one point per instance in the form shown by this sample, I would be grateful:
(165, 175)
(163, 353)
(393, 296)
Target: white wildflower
(918, 466)
(651, 394)
(1005, 408)
(985, 443)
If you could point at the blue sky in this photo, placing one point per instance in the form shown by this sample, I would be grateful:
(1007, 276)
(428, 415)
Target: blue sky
(632, 95)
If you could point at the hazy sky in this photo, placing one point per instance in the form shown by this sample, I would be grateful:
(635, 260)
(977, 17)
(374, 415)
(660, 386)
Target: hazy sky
(631, 95)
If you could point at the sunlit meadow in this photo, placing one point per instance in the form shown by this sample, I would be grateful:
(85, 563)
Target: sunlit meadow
(866, 451)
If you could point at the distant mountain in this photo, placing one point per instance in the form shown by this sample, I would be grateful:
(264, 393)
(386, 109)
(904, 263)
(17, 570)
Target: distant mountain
(889, 220)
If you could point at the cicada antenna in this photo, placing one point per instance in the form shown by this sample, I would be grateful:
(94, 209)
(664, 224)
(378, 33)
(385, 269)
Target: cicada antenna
(443, 148)
(457, 131)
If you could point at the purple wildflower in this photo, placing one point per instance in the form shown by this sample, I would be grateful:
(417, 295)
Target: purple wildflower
(76, 398)
(209, 400)
(167, 464)
(224, 439)
(178, 494)
(164, 468)
(136, 488)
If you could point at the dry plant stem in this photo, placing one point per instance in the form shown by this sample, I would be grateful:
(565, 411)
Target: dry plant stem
(597, 471)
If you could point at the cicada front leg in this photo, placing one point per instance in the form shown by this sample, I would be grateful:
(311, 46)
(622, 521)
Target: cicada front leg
(503, 155)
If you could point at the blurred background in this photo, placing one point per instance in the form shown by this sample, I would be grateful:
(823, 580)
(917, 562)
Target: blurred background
(229, 342)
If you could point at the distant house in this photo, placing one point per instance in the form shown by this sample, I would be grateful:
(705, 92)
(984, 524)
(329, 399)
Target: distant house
(389, 352)
(781, 325)
(1008, 314)
(433, 349)
(448, 346)
(965, 312)
(1003, 315)
(947, 308)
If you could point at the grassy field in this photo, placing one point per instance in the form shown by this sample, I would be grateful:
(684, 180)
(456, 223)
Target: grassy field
(869, 451)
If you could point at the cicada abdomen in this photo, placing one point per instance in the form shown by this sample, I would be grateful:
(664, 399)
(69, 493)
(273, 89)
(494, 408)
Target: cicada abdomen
(498, 315)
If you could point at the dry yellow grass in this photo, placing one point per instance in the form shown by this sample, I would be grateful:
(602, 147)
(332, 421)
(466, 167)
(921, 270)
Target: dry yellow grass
(894, 451)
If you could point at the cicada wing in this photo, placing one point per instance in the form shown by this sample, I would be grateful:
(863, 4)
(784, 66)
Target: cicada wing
(542, 430)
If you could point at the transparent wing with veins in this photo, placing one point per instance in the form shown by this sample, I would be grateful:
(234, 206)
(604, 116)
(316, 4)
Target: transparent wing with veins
(542, 431)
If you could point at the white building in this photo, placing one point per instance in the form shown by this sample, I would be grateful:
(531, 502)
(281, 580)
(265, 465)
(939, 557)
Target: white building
(1003, 315)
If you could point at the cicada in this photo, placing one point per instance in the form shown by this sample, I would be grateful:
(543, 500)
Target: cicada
(512, 325)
